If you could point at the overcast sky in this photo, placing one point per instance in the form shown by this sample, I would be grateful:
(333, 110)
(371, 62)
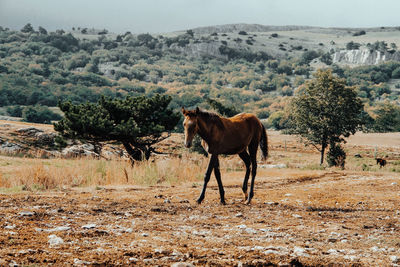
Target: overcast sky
(156, 16)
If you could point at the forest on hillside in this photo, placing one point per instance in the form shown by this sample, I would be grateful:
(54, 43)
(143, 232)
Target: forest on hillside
(38, 69)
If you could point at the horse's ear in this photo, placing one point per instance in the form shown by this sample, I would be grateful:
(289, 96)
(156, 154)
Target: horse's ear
(197, 110)
(183, 111)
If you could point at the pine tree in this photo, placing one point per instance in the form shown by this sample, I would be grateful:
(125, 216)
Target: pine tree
(136, 122)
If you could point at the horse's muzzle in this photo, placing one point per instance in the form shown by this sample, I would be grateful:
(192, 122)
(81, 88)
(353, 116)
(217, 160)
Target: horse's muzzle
(188, 144)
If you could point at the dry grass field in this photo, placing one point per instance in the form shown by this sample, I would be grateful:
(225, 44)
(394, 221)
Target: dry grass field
(89, 212)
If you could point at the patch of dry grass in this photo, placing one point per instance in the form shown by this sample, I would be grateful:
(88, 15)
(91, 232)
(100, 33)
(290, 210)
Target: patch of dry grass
(34, 174)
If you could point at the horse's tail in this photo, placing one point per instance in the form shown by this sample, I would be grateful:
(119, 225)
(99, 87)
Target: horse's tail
(264, 143)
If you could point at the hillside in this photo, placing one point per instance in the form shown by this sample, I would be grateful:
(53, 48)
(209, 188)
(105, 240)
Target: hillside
(255, 68)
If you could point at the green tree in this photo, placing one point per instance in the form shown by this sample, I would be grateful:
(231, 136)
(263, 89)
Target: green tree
(324, 111)
(388, 118)
(136, 122)
(39, 114)
(42, 30)
(222, 109)
(27, 28)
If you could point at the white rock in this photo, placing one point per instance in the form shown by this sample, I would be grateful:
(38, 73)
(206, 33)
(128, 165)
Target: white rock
(333, 252)
(182, 264)
(81, 262)
(351, 257)
(26, 213)
(59, 229)
(300, 252)
(375, 249)
(395, 259)
(297, 216)
(55, 240)
(89, 226)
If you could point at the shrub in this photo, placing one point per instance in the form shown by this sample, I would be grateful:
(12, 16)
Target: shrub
(39, 114)
(362, 32)
(336, 156)
(352, 45)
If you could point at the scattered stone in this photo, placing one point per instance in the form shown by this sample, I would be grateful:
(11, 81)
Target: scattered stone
(271, 166)
(358, 156)
(55, 240)
(79, 262)
(182, 264)
(89, 226)
(27, 213)
(167, 200)
(351, 257)
(10, 227)
(333, 252)
(395, 259)
(271, 203)
(30, 131)
(79, 150)
(298, 251)
(297, 216)
(145, 234)
(59, 229)
(239, 214)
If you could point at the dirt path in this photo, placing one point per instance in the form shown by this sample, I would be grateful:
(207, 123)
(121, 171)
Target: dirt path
(312, 218)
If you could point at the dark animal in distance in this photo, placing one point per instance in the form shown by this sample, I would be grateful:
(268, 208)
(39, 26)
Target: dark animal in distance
(240, 134)
(381, 162)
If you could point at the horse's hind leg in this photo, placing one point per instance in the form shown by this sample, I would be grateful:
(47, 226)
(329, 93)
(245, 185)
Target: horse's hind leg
(246, 158)
(253, 159)
(219, 181)
(210, 167)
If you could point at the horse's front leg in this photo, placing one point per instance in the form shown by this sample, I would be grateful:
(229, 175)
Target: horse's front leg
(219, 181)
(210, 167)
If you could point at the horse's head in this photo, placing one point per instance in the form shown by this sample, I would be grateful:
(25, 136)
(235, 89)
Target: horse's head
(190, 125)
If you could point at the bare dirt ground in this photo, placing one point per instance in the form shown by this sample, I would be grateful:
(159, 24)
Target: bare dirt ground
(311, 218)
(299, 216)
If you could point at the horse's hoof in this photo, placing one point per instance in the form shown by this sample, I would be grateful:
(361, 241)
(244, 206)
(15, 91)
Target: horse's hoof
(199, 201)
(223, 202)
(248, 202)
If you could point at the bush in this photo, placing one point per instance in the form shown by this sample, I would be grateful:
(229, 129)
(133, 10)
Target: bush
(352, 45)
(39, 114)
(15, 111)
(362, 32)
(396, 73)
(336, 156)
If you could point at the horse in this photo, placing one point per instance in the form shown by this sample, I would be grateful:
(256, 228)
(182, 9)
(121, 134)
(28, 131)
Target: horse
(240, 134)
(381, 162)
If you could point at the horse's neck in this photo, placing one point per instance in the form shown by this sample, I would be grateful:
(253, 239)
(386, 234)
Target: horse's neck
(206, 130)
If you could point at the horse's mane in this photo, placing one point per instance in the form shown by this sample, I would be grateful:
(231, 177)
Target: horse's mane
(211, 117)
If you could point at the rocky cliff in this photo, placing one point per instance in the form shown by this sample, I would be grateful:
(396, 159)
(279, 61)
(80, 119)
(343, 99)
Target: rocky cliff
(364, 57)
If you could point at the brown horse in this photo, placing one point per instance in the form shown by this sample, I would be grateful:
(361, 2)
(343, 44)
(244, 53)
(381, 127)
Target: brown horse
(240, 134)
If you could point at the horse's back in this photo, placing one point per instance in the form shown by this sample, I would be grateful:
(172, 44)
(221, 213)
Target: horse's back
(246, 118)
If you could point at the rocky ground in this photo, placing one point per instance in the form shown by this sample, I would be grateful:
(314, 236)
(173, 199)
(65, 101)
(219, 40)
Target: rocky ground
(297, 218)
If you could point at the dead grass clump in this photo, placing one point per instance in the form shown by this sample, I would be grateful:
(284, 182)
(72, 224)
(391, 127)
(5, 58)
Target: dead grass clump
(40, 174)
